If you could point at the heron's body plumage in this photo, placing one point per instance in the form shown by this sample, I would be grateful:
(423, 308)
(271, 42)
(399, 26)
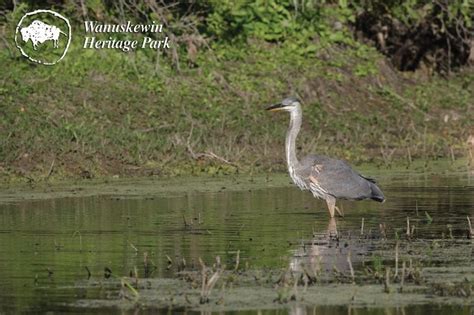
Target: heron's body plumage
(328, 176)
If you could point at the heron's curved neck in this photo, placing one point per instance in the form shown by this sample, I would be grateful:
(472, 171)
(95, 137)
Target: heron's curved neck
(290, 143)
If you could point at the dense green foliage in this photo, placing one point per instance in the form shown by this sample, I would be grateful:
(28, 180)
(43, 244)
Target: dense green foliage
(415, 33)
(411, 32)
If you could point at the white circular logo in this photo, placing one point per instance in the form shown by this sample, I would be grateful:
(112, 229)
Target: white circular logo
(41, 36)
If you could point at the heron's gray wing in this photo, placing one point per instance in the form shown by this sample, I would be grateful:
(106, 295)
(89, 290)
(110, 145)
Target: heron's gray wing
(338, 179)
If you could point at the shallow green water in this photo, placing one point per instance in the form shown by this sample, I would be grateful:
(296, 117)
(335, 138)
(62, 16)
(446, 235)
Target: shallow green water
(47, 246)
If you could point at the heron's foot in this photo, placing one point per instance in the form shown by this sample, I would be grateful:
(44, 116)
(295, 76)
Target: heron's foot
(339, 212)
(332, 235)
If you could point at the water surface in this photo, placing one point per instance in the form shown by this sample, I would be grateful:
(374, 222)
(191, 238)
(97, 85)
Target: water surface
(48, 246)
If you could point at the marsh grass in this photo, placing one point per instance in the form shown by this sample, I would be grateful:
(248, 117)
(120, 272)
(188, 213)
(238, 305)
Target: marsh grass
(442, 276)
(105, 113)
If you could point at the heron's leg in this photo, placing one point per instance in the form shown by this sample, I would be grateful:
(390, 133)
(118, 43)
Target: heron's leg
(331, 202)
(339, 211)
(332, 228)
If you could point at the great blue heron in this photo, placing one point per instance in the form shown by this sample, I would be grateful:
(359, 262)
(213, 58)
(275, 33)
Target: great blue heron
(325, 177)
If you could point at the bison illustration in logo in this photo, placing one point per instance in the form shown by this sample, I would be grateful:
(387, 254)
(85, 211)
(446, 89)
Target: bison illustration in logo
(40, 32)
(41, 27)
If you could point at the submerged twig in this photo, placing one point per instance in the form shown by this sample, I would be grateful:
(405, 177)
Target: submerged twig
(80, 239)
(387, 280)
(133, 246)
(350, 266)
(429, 219)
(88, 272)
(186, 224)
(170, 262)
(450, 230)
(208, 282)
(408, 228)
(383, 230)
(237, 260)
(396, 260)
(126, 284)
(471, 231)
(107, 272)
(402, 281)
(135, 275)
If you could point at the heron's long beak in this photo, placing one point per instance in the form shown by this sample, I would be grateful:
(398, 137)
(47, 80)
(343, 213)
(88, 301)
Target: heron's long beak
(275, 107)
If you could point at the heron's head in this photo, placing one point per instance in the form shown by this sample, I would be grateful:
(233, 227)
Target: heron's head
(289, 104)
